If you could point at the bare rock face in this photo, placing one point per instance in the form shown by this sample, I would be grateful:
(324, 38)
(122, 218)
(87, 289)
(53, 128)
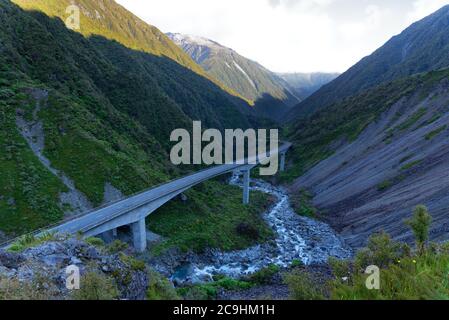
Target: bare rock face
(11, 260)
(50, 260)
(33, 132)
(112, 194)
(398, 162)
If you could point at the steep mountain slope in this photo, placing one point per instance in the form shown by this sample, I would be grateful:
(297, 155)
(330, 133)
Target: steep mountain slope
(105, 19)
(84, 121)
(244, 76)
(373, 152)
(420, 48)
(385, 152)
(305, 84)
(112, 21)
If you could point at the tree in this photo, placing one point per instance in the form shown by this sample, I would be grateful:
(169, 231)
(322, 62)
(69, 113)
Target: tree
(420, 224)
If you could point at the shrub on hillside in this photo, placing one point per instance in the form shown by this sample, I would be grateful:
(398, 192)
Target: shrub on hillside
(303, 287)
(210, 290)
(96, 286)
(380, 251)
(265, 275)
(117, 246)
(301, 203)
(6, 93)
(96, 242)
(200, 292)
(247, 231)
(340, 268)
(297, 263)
(420, 224)
(14, 289)
(160, 288)
(132, 262)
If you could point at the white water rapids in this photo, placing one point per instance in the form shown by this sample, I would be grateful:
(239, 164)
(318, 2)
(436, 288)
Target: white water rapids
(296, 238)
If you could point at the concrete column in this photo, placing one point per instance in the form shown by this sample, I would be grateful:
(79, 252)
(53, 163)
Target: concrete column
(107, 236)
(139, 232)
(114, 232)
(246, 180)
(282, 165)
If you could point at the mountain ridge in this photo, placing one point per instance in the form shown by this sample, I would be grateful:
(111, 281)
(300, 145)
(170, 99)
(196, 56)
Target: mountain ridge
(247, 77)
(419, 48)
(109, 19)
(305, 84)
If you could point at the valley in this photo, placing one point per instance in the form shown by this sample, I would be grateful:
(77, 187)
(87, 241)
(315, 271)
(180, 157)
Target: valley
(86, 117)
(273, 95)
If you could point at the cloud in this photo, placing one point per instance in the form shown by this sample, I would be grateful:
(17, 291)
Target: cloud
(303, 4)
(274, 3)
(289, 35)
(422, 8)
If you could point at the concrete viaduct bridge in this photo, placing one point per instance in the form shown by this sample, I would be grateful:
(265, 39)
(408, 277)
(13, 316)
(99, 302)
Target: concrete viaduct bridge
(133, 210)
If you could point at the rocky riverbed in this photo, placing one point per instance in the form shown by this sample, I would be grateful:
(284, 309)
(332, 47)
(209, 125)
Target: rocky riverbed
(296, 238)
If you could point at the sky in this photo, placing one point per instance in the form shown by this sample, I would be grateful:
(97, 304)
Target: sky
(289, 35)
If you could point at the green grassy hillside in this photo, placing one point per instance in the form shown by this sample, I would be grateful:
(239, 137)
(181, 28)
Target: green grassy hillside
(110, 20)
(212, 219)
(108, 116)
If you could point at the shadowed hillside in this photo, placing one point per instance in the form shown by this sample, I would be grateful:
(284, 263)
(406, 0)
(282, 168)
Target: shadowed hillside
(86, 121)
(112, 21)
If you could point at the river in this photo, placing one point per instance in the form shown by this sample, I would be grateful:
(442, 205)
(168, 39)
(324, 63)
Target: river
(296, 238)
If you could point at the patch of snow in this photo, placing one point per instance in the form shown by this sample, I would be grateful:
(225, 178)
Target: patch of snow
(245, 74)
(181, 39)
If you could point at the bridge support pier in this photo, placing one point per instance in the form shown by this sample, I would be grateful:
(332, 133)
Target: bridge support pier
(139, 232)
(282, 164)
(246, 181)
(107, 236)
